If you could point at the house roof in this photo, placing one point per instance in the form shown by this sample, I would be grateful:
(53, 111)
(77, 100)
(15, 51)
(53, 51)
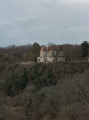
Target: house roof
(53, 48)
(50, 48)
(43, 48)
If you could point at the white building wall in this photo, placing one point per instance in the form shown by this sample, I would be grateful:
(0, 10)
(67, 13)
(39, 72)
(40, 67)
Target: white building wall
(50, 56)
(43, 56)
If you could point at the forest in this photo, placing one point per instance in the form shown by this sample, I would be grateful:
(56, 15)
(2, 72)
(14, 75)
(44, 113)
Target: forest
(53, 91)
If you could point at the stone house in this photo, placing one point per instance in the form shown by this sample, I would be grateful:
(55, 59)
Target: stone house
(51, 54)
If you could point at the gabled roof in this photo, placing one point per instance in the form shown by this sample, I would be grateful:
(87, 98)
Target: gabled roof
(53, 48)
(50, 48)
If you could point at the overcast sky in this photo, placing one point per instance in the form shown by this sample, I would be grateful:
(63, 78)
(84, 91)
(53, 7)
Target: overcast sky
(43, 21)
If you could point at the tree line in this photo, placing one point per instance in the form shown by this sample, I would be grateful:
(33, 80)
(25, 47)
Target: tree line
(13, 54)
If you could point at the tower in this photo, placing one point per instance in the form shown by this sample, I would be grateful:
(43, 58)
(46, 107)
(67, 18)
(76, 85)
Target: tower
(43, 54)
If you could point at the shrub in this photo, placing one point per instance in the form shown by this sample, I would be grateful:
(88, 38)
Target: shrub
(81, 70)
(15, 83)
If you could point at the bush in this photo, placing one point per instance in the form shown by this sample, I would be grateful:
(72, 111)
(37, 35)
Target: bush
(42, 77)
(15, 83)
(81, 70)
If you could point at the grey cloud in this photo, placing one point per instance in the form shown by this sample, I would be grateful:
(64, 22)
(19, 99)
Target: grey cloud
(27, 21)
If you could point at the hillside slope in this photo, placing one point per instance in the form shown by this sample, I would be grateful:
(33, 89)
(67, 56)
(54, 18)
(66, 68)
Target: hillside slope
(68, 99)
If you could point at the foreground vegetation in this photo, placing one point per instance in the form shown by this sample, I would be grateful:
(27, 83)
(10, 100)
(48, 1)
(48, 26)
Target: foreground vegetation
(55, 91)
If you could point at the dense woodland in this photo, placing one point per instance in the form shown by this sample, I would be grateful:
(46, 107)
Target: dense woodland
(54, 91)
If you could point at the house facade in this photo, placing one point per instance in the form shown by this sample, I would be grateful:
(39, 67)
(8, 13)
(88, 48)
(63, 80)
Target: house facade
(51, 54)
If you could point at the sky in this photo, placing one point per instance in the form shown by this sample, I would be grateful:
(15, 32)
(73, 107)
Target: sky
(43, 21)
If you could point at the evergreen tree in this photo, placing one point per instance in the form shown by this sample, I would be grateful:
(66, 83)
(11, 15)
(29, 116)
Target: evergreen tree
(84, 47)
(35, 51)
